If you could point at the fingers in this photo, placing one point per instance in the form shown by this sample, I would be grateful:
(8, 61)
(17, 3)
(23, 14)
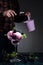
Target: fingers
(14, 12)
(10, 13)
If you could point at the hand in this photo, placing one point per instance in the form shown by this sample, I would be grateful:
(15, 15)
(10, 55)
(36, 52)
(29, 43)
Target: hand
(9, 13)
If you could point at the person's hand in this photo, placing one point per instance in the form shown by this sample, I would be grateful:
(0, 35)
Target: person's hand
(9, 13)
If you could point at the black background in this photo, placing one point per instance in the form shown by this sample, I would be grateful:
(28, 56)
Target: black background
(34, 40)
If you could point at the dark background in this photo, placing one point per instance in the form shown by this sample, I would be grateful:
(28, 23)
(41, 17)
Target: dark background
(34, 40)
